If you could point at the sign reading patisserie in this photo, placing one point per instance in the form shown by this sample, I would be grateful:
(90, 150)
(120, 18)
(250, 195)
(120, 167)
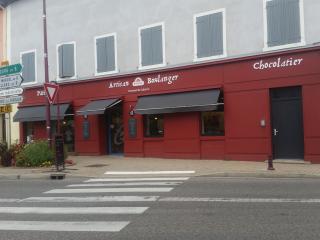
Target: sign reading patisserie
(277, 63)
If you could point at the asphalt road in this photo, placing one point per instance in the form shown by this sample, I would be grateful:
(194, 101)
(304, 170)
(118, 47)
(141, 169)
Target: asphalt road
(197, 208)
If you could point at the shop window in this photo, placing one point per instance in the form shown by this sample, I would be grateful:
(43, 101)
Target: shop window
(153, 125)
(67, 130)
(152, 46)
(28, 61)
(66, 60)
(106, 54)
(210, 35)
(212, 123)
(28, 132)
(284, 23)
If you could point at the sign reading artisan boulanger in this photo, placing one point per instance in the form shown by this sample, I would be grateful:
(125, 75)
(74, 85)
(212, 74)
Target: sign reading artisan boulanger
(140, 84)
(278, 63)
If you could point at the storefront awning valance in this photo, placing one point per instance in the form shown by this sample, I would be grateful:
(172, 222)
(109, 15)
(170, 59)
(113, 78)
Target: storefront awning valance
(98, 107)
(38, 113)
(205, 100)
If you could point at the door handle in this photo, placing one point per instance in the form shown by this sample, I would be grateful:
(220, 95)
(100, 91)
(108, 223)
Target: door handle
(275, 132)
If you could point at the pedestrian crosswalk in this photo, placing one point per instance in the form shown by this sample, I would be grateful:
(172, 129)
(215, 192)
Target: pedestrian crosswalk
(110, 197)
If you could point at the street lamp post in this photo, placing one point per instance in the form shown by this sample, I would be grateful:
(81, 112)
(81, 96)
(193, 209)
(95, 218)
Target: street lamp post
(46, 71)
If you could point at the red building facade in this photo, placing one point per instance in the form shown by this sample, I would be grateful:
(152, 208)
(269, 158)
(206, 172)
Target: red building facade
(262, 95)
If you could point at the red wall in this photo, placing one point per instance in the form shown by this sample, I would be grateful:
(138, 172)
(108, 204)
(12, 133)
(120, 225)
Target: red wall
(246, 96)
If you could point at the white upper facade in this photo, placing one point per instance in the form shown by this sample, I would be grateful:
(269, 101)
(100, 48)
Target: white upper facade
(96, 38)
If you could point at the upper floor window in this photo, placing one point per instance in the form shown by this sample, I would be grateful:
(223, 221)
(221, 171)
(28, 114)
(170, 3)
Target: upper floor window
(210, 35)
(152, 52)
(106, 56)
(28, 61)
(66, 60)
(284, 24)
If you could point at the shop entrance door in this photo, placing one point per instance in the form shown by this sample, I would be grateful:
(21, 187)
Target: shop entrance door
(115, 130)
(287, 123)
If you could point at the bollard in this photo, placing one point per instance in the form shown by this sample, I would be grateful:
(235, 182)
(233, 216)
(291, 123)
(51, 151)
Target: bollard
(270, 163)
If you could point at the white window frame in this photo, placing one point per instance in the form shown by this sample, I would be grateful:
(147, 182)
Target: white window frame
(291, 45)
(116, 70)
(195, 39)
(35, 66)
(75, 60)
(163, 47)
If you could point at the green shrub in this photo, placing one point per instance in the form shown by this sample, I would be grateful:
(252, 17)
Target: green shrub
(35, 154)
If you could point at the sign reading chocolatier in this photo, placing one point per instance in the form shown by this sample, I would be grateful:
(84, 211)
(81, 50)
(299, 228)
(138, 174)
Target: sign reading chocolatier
(278, 63)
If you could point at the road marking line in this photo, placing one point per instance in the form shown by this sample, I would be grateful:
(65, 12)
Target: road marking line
(8, 200)
(63, 226)
(94, 199)
(136, 179)
(239, 200)
(125, 184)
(108, 190)
(148, 172)
(73, 210)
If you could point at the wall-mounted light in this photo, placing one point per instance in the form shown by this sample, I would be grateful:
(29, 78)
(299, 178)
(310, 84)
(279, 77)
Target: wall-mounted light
(131, 112)
(85, 116)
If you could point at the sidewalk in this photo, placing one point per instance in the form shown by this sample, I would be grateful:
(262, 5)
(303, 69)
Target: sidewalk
(96, 167)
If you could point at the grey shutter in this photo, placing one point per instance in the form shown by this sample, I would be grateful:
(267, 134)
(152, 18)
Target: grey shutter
(283, 22)
(203, 36)
(60, 59)
(216, 29)
(101, 55)
(157, 48)
(68, 60)
(28, 62)
(25, 70)
(146, 47)
(110, 53)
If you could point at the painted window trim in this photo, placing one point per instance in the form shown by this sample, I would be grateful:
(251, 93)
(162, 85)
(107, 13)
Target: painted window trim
(75, 60)
(35, 66)
(291, 45)
(163, 64)
(116, 70)
(195, 39)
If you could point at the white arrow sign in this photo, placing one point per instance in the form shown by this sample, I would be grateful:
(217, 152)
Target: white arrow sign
(11, 100)
(9, 92)
(11, 81)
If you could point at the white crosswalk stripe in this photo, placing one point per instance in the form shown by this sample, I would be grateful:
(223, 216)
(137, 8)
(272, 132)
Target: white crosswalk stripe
(62, 226)
(148, 172)
(125, 184)
(110, 190)
(136, 179)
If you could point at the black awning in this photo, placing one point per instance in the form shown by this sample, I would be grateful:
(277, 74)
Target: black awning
(98, 106)
(196, 101)
(38, 113)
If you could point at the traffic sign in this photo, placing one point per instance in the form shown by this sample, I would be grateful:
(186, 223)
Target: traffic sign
(11, 81)
(11, 100)
(12, 91)
(11, 69)
(51, 91)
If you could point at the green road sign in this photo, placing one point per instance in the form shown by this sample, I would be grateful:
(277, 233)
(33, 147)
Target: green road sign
(11, 69)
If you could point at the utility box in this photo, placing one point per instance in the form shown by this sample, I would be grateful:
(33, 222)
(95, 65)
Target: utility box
(59, 151)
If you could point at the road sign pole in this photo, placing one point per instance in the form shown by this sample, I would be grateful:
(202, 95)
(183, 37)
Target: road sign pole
(46, 71)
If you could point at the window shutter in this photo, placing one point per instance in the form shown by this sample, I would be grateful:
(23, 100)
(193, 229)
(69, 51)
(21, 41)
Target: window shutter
(204, 34)
(32, 68)
(157, 48)
(146, 47)
(283, 21)
(68, 60)
(216, 27)
(60, 56)
(101, 55)
(110, 53)
(28, 62)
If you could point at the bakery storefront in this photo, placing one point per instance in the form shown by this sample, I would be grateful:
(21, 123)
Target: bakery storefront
(251, 108)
